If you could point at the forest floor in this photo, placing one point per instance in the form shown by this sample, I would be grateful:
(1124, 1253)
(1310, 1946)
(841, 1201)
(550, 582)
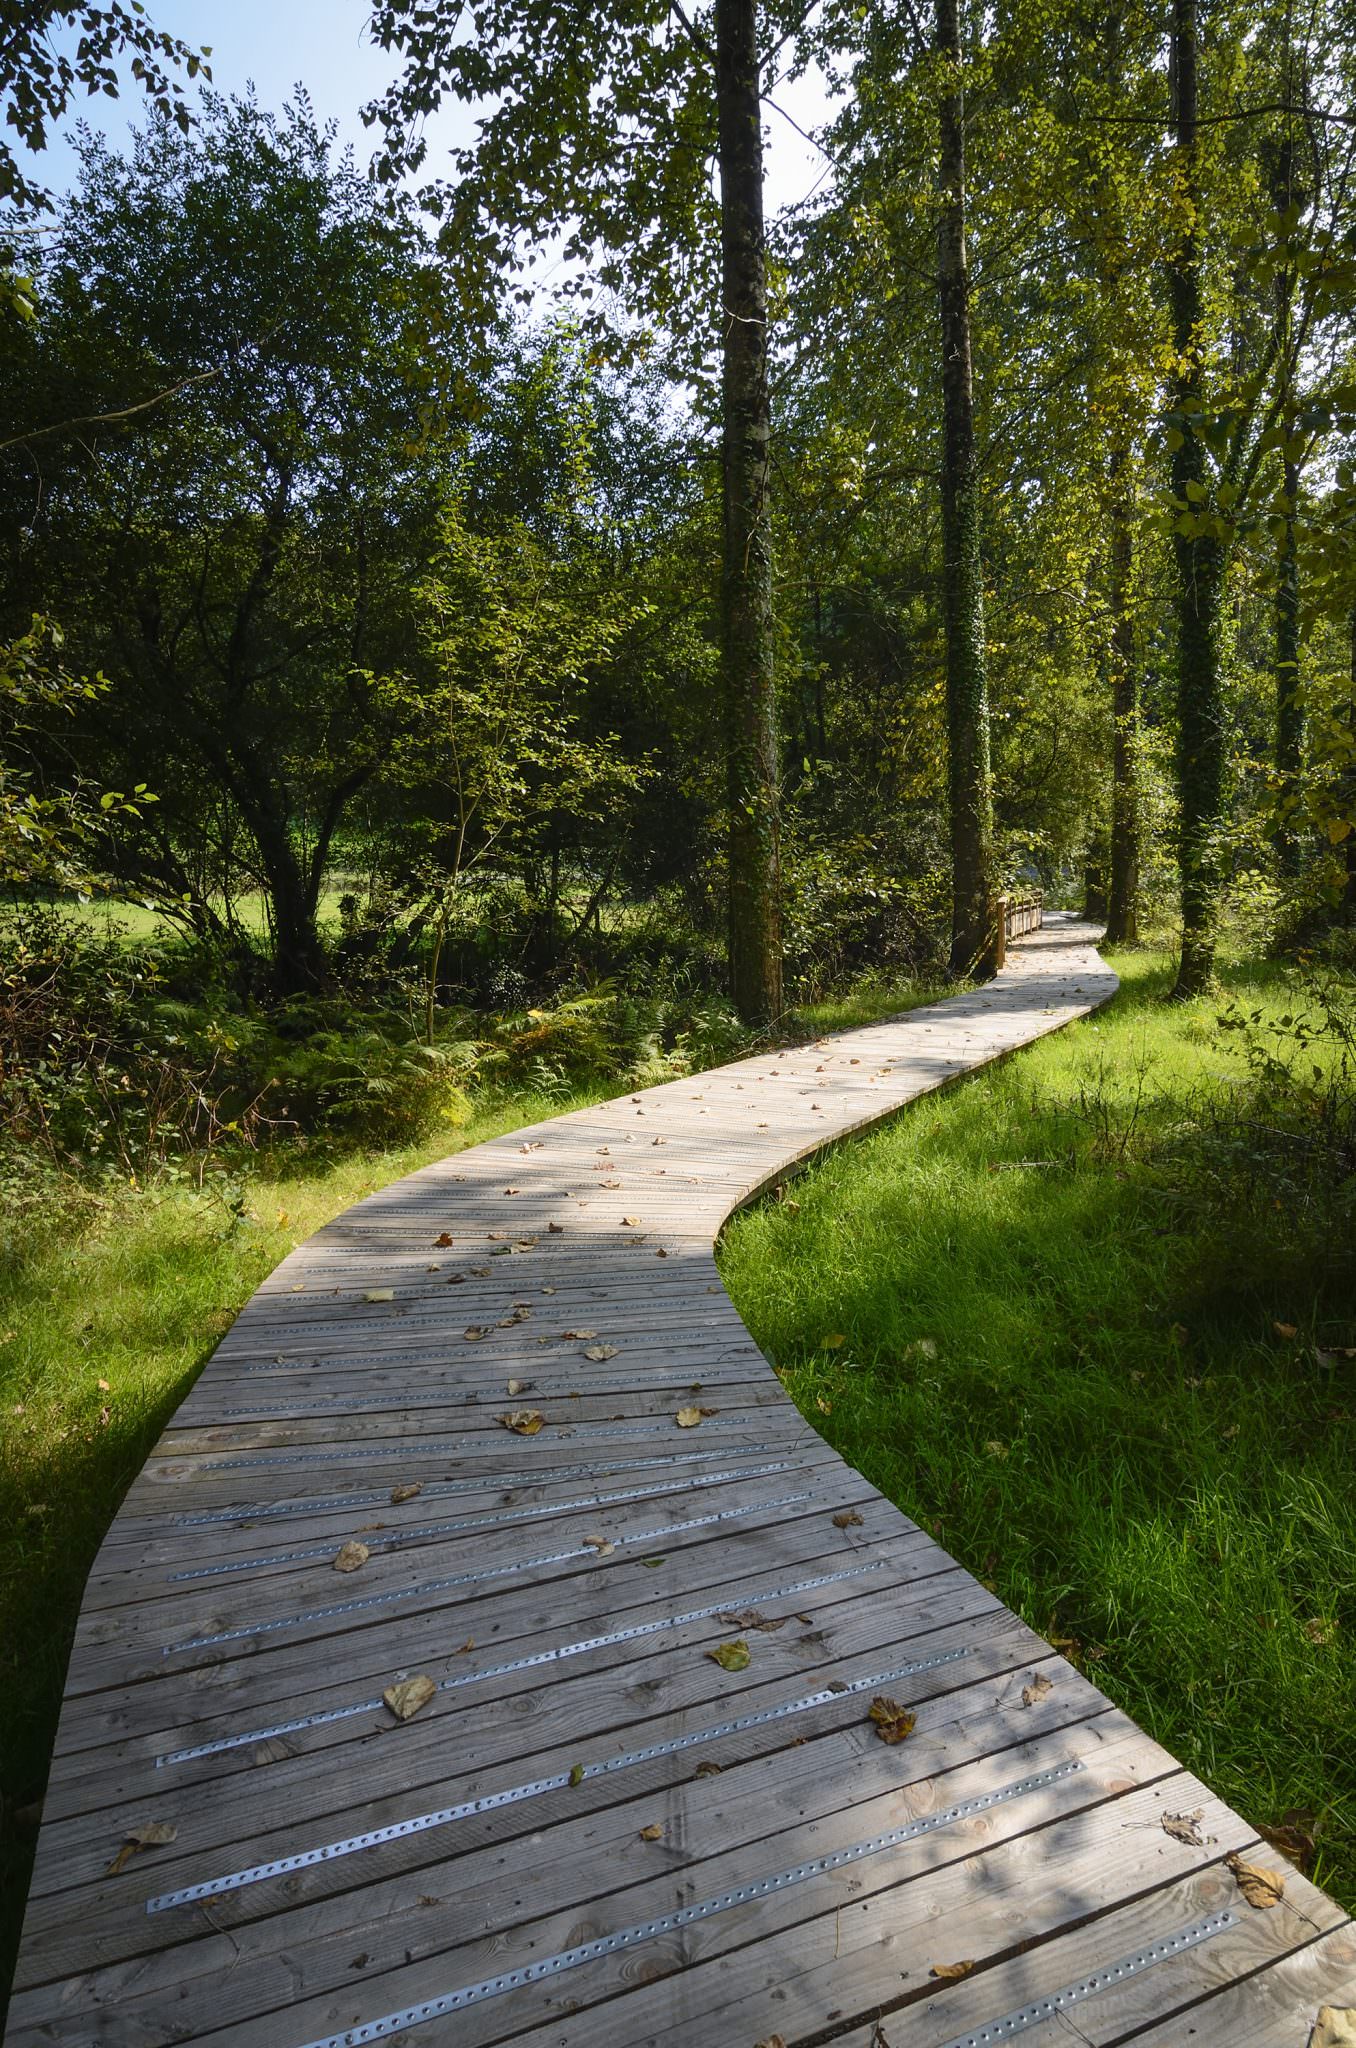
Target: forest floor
(1032, 1314)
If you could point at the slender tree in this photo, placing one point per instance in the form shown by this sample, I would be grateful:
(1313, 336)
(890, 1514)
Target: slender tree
(973, 934)
(1122, 910)
(1199, 552)
(746, 603)
(611, 143)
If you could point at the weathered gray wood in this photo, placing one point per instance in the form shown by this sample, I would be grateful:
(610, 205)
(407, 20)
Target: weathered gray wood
(551, 1652)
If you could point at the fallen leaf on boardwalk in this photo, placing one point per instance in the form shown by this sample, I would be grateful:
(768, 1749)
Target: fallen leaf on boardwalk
(442, 1240)
(653, 1833)
(480, 1272)
(380, 1294)
(1184, 1827)
(1040, 1685)
(772, 2041)
(352, 1557)
(516, 1387)
(834, 1342)
(949, 1972)
(653, 1563)
(1335, 2027)
(849, 1519)
(601, 1544)
(893, 1722)
(630, 1222)
(731, 1656)
(522, 1421)
(469, 1644)
(707, 1770)
(410, 1491)
(600, 1352)
(534, 1145)
(688, 1418)
(151, 1834)
(576, 1774)
(475, 1331)
(512, 1191)
(751, 1618)
(579, 1334)
(1294, 1837)
(1259, 1886)
(556, 1229)
(407, 1696)
(834, 1684)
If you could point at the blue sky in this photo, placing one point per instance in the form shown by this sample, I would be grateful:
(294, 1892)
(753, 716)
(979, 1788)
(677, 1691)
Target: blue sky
(323, 43)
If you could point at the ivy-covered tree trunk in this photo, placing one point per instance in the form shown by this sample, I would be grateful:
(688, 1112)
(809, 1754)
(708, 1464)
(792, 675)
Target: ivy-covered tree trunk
(973, 927)
(1122, 910)
(1200, 560)
(1289, 703)
(746, 583)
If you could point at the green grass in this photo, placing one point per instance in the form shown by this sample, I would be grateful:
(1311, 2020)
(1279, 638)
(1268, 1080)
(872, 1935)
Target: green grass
(994, 1307)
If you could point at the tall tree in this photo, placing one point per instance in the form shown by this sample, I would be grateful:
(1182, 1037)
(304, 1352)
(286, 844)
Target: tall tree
(1198, 549)
(609, 145)
(753, 764)
(970, 782)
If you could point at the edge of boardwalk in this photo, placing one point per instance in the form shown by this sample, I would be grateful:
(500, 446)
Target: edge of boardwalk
(561, 1588)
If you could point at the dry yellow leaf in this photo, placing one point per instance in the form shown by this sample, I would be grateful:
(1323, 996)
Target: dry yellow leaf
(351, 1557)
(893, 1723)
(577, 1335)
(1260, 1887)
(1184, 1827)
(411, 1491)
(522, 1421)
(602, 1544)
(688, 1418)
(1040, 1685)
(600, 1353)
(148, 1834)
(949, 1972)
(380, 1294)
(653, 1833)
(408, 1695)
(1335, 2027)
(475, 1331)
(516, 1387)
(848, 1519)
(630, 1222)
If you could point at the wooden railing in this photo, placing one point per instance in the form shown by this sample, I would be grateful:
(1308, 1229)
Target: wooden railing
(1015, 915)
(1022, 913)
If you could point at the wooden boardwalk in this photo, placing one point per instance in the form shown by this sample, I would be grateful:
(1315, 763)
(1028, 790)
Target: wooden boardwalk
(592, 1834)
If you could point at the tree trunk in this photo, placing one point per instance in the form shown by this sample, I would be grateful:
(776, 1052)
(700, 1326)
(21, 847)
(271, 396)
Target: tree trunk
(746, 584)
(1349, 843)
(299, 964)
(973, 934)
(1200, 563)
(1289, 705)
(1122, 913)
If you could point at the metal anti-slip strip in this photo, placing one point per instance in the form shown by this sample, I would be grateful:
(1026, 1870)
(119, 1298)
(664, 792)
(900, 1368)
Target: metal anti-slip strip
(442, 1816)
(371, 1454)
(669, 1923)
(621, 1635)
(398, 1537)
(439, 1489)
(497, 1571)
(1086, 1987)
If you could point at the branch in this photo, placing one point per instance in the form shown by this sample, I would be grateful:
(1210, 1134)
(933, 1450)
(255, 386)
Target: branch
(697, 39)
(104, 419)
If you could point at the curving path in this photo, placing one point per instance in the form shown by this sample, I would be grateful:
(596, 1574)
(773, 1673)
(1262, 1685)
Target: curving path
(592, 1834)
